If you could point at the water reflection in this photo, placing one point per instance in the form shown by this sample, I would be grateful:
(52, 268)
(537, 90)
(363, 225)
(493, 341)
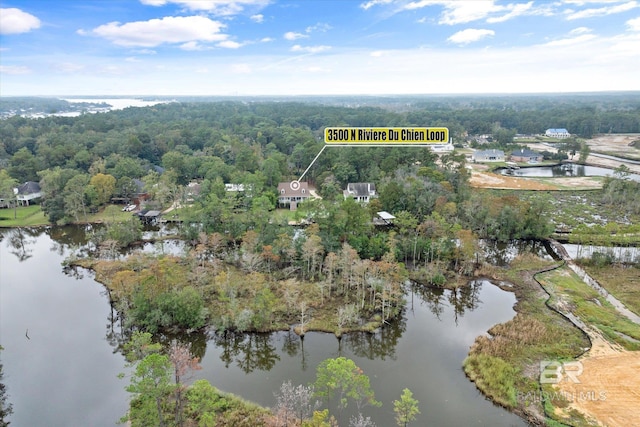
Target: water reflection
(248, 351)
(460, 299)
(72, 366)
(502, 253)
(21, 241)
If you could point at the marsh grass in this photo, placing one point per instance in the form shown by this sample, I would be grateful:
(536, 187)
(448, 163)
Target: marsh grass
(585, 302)
(622, 281)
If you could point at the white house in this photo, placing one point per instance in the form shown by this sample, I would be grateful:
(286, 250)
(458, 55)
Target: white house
(360, 191)
(557, 133)
(26, 192)
(288, 196)
(488, 156)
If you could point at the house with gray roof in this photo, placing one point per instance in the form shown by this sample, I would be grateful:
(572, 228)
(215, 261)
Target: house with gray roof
(26, 192)
(525, 155)
(292, 193)
(360, 191)
(557, 133)
(481, 156)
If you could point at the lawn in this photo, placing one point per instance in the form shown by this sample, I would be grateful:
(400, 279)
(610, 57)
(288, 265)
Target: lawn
(111, 213)
(25, 216)
(33, 216)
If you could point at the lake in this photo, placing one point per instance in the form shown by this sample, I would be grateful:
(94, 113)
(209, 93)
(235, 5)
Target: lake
(65, 372)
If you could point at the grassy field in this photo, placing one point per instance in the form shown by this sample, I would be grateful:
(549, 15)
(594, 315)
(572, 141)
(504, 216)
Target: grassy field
(25, 216)
(569, 293)
(111, 213)
(33, 216)
(505, 365)
(621, 281)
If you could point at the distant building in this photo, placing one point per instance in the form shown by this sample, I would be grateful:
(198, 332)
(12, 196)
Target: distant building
(526, 156)
(26, 192)
(481, 156)
(360, 191)
(193, 191)
(557, 133)
(287, 196)
(383, 218)
(234, 187)
(440, 148)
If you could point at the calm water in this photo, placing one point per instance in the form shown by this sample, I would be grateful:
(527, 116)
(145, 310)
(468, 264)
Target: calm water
(66, 373)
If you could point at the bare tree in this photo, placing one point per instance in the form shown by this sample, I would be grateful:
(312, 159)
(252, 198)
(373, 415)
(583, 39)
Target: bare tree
(183, 367)
(361, 421)
(294, 404)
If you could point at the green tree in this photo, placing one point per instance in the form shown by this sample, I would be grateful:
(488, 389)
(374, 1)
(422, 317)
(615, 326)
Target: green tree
(204, 401)
(7, 196)
(24, 166)
(6, 408)
(139, 346)
(406, 408)
(52, 183)
(341, 378)
(584, 152)
(151, 384)
(75, 199)
(105, 186)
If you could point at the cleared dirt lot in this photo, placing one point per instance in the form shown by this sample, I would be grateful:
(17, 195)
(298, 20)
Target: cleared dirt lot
(609, 388)
(616, 145)
(484, 179)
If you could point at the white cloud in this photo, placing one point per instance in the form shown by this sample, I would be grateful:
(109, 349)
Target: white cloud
(459, 12)
(145, 51)
(462, 12)
(321, 27)
(290, 35)
(378, 53)
(192, 46)
(172, 29)
(15, 21)
(474, 69)
(229, 44)
(68, 67)
(580, 30)
(309, 49)
(516, 10)
(634, 24)
(14, 69)
(218, 7)
(259, 18)
(267, 39)
(369, 4)
(470, 35)
(571, 40)
(602, 11)
(241, 68)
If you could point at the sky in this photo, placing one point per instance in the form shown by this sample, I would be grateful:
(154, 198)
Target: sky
(317, 47)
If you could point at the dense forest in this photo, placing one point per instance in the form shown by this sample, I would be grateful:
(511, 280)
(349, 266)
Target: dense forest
(245, 267)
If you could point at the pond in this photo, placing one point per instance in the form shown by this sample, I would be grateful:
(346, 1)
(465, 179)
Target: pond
(61, 362)
(564, 170)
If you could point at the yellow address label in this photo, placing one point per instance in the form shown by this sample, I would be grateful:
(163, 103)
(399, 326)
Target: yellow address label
(386, 136)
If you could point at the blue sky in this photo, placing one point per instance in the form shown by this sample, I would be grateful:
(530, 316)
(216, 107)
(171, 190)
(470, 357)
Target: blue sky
(309, 47)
